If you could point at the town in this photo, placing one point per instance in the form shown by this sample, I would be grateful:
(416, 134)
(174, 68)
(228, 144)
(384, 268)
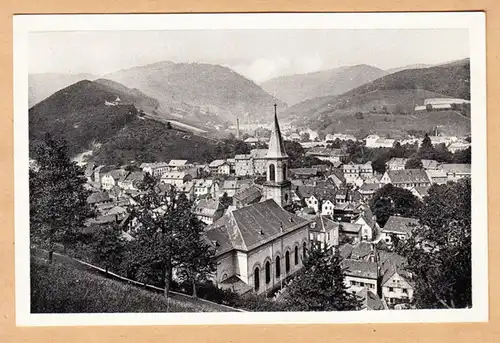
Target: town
(262, 216)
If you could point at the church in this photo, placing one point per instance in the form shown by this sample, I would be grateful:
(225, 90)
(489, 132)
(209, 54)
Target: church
(260, 245)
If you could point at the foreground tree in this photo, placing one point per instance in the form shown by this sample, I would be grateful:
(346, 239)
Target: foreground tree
(439, 252)
(164, 230)
(319, 286)
(58, 199)
(414, 163)
(389, 200)
(108, 246)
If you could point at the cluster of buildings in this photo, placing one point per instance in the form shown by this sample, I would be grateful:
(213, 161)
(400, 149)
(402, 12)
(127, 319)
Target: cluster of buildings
(440, 104)
(262, 217)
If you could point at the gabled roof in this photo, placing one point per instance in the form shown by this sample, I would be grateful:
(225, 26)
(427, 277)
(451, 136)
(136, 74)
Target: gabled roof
(361, 250)
(349, 227)
(369, 187)
(430, 164)
(216, 163)
(397, 161)
(207, 207)
(364, 269)
(248, 195)
(177, 163)
(408, 176)
(98, 197)
(400, 224)
(345, 250)
(456, 168)
(134, 176)
(390, 266)
(252, 226)
(276, 146)
(117, 174)
(370, 300)
(323, 224)
(89, 169)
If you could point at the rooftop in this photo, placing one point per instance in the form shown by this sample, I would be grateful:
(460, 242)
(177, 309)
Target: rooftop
(408, 176)
(364, 269)
(400, 224)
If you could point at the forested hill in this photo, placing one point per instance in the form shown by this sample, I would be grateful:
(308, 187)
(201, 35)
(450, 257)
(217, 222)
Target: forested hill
(87, 115)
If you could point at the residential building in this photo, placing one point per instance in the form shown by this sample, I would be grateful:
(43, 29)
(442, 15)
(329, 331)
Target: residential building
(340, 136)
(99, 198)
(328, 154)
(247, 196)
(258, 247)
(324, 232)
(230, 187)
(396, 163)
(155, 169)
(455, 172)
(178, 165)
(111, 178)
(351, 231)
(457, 146)
(420, 192)
(176, 178)
(208, 210)
(204, 188)
(259, 161)
(370, 301)
(131, 181)
(360, 274)
(369, 226)
(396, 283)
(438, 176)
(214, 166)
(430, 164)
(243, 165)
(401, 227)
(367, 190)
(406, 178)
(187, 188)
(304, 173)
(356, 171)
(375, 141)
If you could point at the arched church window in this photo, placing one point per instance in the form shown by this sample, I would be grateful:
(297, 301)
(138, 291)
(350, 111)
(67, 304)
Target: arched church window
(272, 172)
(284, 171)
(286, 197)
(287, 261)
(268, 272)
(304, 250)
(296, 255)
(278, 266)
(256, 277)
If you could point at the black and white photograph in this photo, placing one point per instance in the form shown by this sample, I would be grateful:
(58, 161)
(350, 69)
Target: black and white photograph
(250, 168)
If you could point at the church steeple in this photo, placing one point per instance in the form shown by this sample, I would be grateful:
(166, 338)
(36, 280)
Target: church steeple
(277, 185)
(276, 146)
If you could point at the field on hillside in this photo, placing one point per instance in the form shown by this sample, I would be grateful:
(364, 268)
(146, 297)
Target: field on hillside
(448, 122)
(63, 288)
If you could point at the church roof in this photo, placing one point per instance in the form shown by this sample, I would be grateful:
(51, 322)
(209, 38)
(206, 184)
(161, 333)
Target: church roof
(276, 146)
(252, 226)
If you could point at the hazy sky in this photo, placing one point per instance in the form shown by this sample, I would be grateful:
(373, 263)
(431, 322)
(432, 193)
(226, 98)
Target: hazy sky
(256, 54)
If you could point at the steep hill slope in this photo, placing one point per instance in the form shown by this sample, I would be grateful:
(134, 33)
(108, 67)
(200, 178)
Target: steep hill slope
(395, 95)
(296, 88)
(41, 86)
(196, 90)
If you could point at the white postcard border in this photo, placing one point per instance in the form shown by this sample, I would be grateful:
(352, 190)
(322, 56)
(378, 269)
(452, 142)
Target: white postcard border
(474, 21)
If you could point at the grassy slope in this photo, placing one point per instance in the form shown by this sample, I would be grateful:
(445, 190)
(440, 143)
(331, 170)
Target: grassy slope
(59, 288)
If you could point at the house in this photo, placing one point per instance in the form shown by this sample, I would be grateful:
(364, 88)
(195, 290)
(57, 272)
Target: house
(352, 231)
(155, 169)
(259, 161)
(438, 176)
(304, 173)
(363, 251)
(402, 227)
(455, 172)
(111, 178)
(252, 141)
(355, 171)
(369, 227)
(243, 165)
(396, 283)
(208, 210)
(367, 190)
(346, 212)
(396, 163)
(214, 166)
(328, 154)
(324, 232)
(204, 187)
(247, 196)
(176, 178)
(337, 177)
(340, 136)
(187, 188)
(177, 165)
(420, 192)
(360, 274)
(406, 178)
(131, 181)
(320, 199)
(375, 141)
(232, 186)
(98, 198)
(370, 301)
(231, 162)
(457, 146)
(430, 164)
(258, 247)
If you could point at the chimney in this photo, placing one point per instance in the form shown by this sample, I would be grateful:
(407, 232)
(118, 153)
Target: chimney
(237, 128)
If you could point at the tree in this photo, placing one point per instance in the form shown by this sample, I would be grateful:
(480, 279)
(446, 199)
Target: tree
(426, 151)
(414, 163)
(321, 135)
(305, 137)
(225, 200)
(439, 252)
(58, 199)
(320, 286)
(462, 156)
(163, 223)
(108, 246)
(389, 200)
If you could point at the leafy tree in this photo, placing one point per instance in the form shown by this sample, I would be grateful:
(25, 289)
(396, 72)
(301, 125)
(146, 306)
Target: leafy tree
(414, 163)
(163, 224)
(225, 200)
(320, 286)
(58, 199)
(462, 156)
(442, 154)
(439, 252)
(305, 137)
(389, 200)
(108, 246)
(426, 151)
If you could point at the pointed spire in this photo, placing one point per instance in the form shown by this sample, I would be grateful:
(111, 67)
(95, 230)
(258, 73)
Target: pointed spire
(276, 146)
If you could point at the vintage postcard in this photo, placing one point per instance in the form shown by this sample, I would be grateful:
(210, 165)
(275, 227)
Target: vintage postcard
(250, 168)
